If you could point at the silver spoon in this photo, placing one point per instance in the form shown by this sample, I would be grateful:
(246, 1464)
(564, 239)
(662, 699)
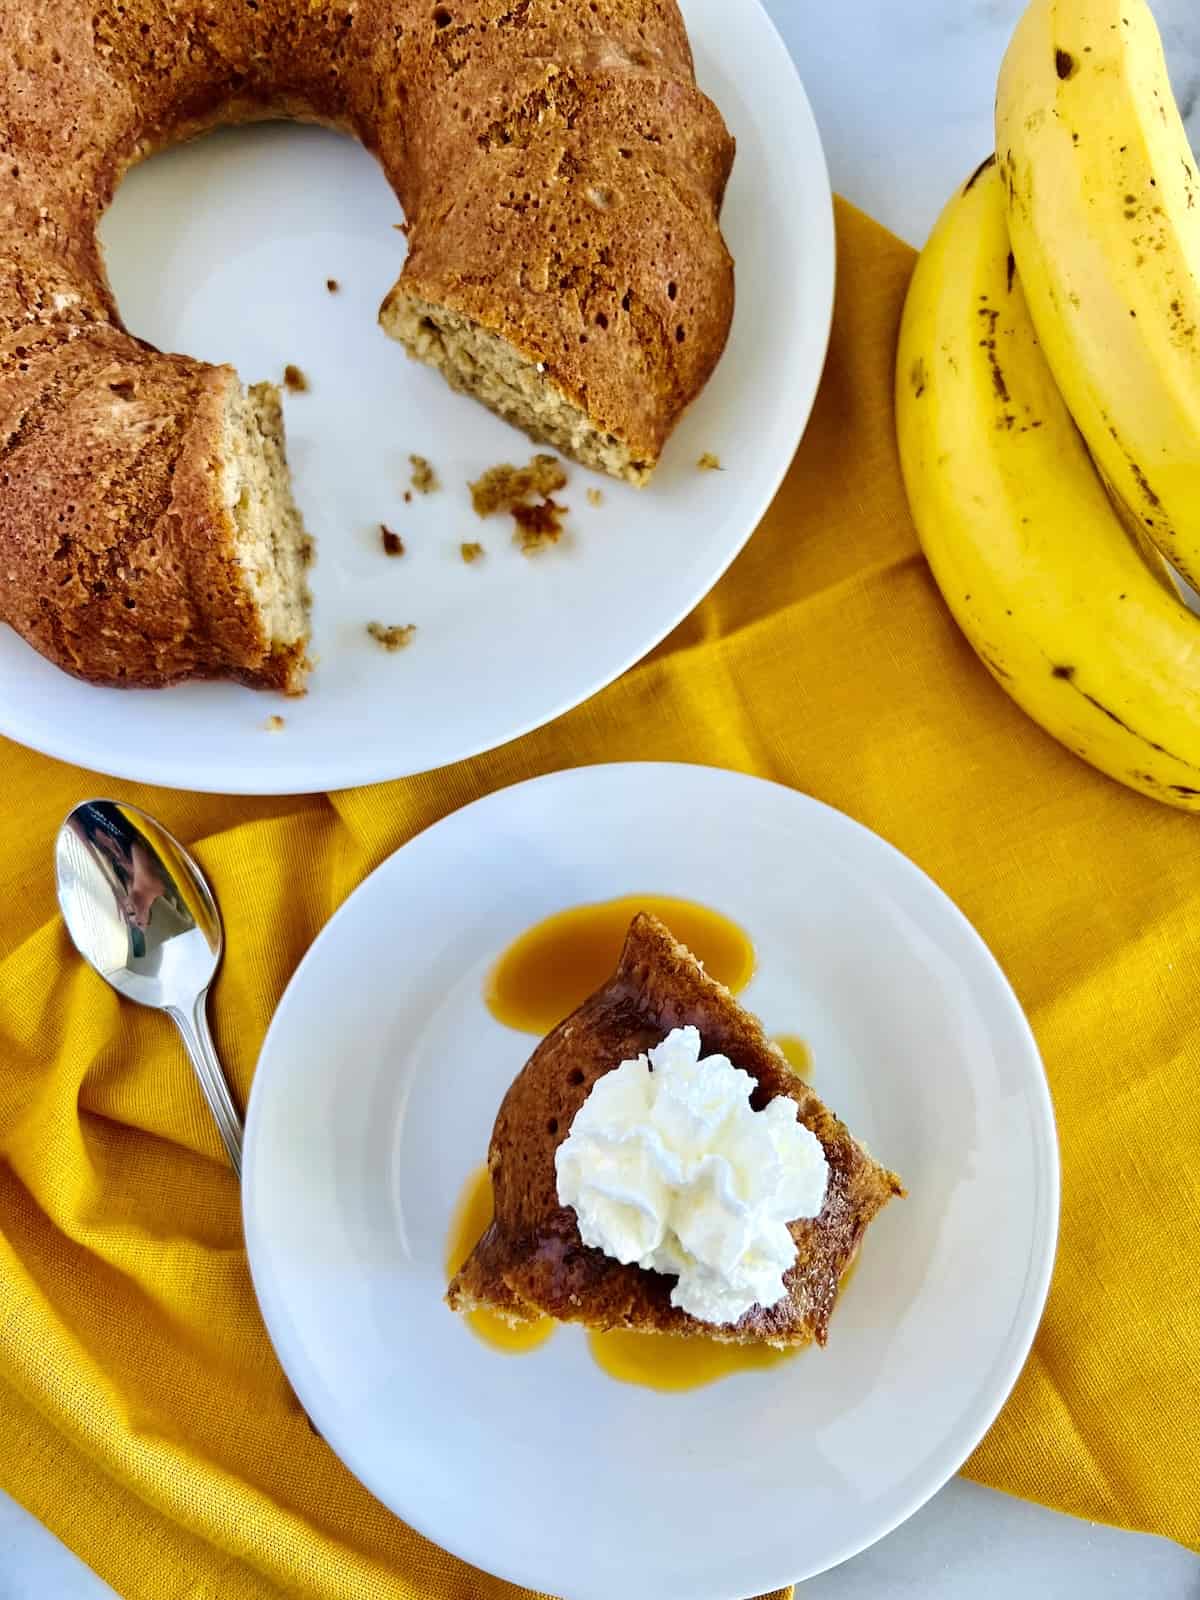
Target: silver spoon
(140, 912)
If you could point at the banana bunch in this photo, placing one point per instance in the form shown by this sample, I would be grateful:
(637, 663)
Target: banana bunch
(1104, 214)
(1048, 397)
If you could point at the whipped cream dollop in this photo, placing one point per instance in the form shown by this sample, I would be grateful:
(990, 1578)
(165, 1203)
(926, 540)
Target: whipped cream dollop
(667, 1165)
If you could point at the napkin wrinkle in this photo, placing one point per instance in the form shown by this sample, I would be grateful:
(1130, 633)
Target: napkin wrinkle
(142, 1412)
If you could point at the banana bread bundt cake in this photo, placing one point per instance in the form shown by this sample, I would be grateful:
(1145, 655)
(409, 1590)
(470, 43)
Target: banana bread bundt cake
(561, 177)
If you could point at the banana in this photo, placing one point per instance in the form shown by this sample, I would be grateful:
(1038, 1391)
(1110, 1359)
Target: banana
(1020, 534)
(1104, 216)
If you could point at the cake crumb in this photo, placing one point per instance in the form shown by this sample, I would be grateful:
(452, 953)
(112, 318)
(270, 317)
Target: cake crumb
(538, 525)
(710, 463)
(470, 551)
(504, 487)
(332, 285)
(594, 497)
(294, 380)
(424, 479)
(396, 636)
(393, 544)
(273, 724)
(408, 497)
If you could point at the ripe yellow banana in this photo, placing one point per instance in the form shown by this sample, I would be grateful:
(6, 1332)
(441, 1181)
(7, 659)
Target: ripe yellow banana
(1020, 534)
(1104, 216)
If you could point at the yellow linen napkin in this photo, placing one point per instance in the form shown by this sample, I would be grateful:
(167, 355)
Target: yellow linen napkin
(142, 1413)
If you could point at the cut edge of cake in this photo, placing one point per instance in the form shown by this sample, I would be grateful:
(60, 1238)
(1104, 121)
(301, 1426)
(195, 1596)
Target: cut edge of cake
(478, 362)
(268, 540)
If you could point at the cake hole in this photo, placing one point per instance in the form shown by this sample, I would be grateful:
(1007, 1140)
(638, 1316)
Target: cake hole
(601, 320)
(552, 1125)
(575, 1076)
(627, 300)
(672, 290)
(441, 17)
(680, 335)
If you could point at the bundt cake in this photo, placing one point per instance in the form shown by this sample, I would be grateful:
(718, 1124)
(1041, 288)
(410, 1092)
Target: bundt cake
(531, 1260)
(560, 175)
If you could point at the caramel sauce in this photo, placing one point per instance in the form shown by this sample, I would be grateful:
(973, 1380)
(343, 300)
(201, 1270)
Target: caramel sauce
(799, 1056)
(667, 1361)
(554, 966)
(472, 1215)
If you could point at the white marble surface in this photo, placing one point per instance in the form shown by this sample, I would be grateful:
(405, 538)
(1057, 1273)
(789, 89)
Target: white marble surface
(902, 90)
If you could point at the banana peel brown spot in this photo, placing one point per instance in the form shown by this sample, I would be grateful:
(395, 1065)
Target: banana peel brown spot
(1182, 331)
(993, 665)
(1140, 478)
(917, 376)
(1155, 787)
(988, 161)
(1067, 674)
(1065, 64)
(1143, 484)
(988, 345)
(1010, 270)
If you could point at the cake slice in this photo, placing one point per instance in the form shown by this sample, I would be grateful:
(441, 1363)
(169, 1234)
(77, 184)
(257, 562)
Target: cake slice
(531, 1261)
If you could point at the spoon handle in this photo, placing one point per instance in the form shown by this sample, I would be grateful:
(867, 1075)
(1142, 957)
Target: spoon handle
(199, 1043)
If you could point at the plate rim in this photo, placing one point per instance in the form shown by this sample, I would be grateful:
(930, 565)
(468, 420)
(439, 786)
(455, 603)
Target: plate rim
(1030, 1307)
(68, 743)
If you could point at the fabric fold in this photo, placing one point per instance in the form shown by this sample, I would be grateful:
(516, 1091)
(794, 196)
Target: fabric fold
(143, 1416)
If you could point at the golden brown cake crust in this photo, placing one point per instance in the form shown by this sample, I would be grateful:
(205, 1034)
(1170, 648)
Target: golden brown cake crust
(561, 176)
(531, 1259)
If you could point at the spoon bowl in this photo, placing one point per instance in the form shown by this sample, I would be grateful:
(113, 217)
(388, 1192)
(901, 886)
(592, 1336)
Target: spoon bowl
(136, 904)
(140, 912)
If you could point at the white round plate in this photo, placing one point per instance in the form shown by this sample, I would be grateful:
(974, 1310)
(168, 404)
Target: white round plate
(374, 1100)
(222, 248)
